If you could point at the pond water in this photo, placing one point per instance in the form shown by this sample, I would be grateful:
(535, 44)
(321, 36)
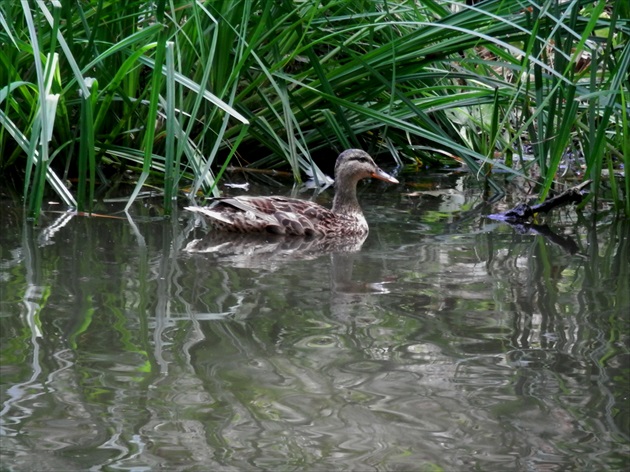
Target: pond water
(445, 341)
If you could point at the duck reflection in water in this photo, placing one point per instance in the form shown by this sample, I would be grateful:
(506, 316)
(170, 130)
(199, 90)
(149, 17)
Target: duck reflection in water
(272, 252)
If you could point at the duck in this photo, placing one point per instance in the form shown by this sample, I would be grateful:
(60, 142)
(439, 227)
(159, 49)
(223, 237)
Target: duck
(295, 217)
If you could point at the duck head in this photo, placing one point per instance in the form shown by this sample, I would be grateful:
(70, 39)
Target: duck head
(354, 164)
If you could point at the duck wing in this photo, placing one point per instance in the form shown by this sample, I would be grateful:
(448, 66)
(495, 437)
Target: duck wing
(277, 215)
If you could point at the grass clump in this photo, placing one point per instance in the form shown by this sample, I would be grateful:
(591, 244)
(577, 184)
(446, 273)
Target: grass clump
(173, 90)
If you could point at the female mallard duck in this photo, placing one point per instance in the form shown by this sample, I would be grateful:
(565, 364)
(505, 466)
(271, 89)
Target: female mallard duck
(291, 216)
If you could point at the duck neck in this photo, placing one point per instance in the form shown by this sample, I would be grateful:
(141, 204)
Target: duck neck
(345, 201)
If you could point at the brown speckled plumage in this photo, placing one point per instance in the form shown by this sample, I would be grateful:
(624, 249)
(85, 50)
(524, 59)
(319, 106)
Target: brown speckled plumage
(291, 216)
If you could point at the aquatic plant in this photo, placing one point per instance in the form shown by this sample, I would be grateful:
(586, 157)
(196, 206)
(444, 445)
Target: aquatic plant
(172, 91)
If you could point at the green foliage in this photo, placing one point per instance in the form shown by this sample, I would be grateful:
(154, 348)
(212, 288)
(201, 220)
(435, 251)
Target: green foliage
(430, 81)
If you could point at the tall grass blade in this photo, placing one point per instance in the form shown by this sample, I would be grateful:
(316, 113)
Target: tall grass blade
(87, 159)
(561, 139)
(170, 164)
(154, 100)
(41, 132)
(595, 163)
(625, 143)
(53, 21)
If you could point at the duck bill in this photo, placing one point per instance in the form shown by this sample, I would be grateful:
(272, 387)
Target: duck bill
(379, 174)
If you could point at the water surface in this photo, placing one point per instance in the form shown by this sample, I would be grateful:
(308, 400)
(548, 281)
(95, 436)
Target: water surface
(445, 341)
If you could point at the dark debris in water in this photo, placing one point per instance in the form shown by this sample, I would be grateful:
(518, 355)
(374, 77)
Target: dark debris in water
(522, 212)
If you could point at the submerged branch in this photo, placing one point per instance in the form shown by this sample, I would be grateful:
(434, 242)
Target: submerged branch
(522, 212)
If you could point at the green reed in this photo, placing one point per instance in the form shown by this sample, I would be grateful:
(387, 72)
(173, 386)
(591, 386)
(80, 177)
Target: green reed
(173, 90)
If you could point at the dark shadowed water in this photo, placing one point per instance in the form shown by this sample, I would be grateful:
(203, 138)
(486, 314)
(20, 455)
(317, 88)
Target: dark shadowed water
(446, 342)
